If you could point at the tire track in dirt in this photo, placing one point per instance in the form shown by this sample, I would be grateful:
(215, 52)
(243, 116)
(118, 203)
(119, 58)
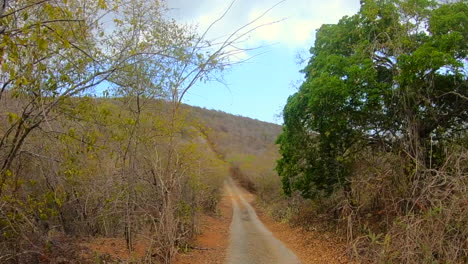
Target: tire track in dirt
(220, 241)
(251, 242)
(215, 241)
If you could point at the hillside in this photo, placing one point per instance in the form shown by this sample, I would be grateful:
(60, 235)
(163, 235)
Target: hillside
(230, 132)
(101, 170)
(246, 144)
(101, 162)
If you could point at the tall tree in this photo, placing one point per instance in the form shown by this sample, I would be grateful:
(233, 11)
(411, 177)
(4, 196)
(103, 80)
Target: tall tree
(392, 75)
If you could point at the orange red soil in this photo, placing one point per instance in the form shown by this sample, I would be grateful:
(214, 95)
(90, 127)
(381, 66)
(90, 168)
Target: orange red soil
(212, 244)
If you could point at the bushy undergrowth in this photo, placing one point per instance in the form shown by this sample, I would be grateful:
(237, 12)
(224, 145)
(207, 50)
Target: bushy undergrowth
(392, 212)
(389, 217)
(376, 134)
(420, 219)
(106, 172)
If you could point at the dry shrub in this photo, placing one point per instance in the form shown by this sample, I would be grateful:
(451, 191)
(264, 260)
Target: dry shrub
(268, 185)
(255, 172)
(71, 178)
(388, 216)
(242, 179)
(419, 219)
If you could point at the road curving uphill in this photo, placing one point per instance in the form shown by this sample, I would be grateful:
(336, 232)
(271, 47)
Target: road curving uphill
(251, 242)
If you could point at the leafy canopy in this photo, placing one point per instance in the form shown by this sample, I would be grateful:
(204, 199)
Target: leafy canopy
(391, 75)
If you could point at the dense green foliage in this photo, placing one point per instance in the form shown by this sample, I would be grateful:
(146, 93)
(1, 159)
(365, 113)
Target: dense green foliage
(376, 135)
(391, 77)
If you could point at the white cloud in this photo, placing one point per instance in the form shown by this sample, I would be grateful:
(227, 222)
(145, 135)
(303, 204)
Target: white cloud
(299, 18)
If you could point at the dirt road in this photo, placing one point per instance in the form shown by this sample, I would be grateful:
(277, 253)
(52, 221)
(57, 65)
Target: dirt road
(237, 236)
(250, 241)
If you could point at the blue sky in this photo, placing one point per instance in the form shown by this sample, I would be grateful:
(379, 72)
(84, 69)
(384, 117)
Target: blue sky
(259, 87)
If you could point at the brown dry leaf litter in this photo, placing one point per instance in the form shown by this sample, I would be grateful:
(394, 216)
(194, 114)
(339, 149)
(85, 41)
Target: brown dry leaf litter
(210, 246)
(310, 247)
(114, 249)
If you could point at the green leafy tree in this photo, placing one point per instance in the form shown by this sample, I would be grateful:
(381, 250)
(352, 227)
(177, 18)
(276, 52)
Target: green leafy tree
(392, 76)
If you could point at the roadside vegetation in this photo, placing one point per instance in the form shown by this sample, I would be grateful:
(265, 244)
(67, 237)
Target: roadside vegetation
(375, 139)
(374, 143)
(94, 140)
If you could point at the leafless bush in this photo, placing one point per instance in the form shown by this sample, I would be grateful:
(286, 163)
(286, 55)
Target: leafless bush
(71, 185)
(418, 220)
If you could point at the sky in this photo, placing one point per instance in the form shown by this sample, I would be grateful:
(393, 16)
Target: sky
(259, 87)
